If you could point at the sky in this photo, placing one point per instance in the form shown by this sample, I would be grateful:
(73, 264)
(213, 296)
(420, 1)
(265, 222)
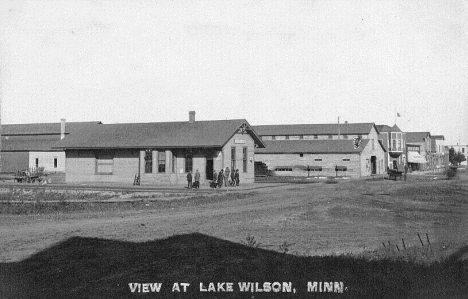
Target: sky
(270, 62)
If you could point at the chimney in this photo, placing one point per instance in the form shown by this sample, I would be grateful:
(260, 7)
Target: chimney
(62, 128)
(191, 116)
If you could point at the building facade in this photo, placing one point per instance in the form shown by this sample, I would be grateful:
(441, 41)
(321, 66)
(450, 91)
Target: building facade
(322, 158)
(422, 142)
(437, 156)
(161, 153)
(459, 148)
(26, 146)
(394, 142)
(321, 149)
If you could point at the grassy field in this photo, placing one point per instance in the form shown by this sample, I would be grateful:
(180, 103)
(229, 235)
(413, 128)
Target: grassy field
(389, 239)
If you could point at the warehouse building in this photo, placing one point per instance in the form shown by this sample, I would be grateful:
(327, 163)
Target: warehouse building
(349, 149)
(26, 146)
(160, 153)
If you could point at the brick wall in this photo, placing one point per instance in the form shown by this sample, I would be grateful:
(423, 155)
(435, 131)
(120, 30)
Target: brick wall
(81, 167)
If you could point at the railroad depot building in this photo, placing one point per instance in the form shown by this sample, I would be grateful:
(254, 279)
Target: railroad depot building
(26, 146)
(322, 149)
(160, 153)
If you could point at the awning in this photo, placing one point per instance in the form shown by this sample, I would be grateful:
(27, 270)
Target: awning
(415, 157)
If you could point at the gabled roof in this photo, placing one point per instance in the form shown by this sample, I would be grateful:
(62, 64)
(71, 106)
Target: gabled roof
(44, 128)
(315, 129)
(438, 137)
(385, 128)
(416, 136)
(311, 146)
(161, 134)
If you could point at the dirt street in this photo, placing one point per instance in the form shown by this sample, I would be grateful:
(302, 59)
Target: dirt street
(317, 218)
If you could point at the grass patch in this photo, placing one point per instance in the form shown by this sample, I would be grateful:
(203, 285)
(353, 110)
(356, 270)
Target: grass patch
(20, 202)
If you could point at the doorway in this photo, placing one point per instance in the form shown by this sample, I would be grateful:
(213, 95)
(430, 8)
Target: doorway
(209, 168)
(373, 160)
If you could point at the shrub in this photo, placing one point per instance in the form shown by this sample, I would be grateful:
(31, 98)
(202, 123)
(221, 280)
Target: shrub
(451, 172)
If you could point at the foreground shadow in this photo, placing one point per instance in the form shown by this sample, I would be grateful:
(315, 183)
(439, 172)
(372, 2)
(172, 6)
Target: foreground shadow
(98, 268)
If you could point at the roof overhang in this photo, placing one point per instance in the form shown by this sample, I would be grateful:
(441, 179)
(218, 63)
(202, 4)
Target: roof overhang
(415, 157)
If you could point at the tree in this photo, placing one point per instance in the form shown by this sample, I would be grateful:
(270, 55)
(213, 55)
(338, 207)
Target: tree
(456, 158)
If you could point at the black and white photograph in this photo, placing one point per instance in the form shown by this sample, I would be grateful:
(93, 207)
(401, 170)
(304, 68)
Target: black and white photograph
(233, 149)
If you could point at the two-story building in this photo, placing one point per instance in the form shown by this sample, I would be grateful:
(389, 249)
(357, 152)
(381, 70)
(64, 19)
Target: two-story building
(422, 142)
(394, 142)
(437, 151)
(160, 153)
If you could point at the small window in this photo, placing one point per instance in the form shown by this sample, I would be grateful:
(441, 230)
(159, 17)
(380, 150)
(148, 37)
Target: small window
(273, 137)
(283, 169)
(346, 160)
(37, 162)
(330, 136)
(301, 136)
(315, 136)
(148, 161)
(104, 163)
(301, 155)
(345, 136)
(318, 160)
(55, 162)
(286, 137)
(161, 161)
(341, 168)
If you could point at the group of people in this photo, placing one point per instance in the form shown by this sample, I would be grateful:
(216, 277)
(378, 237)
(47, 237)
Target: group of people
(227, 176)
(195, 184)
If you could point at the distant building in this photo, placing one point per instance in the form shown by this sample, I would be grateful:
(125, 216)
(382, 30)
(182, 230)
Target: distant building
(342, 131)
(437, 151)
(160, 153)
(459, 148)
(26, 146)
(422, 142)
(321, 149)
(394, 142)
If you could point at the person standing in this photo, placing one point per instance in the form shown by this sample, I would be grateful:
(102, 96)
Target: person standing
(197, 179)
(236, 177)
(189, 180)
(227, 177)
(233, 177)
(220, 178)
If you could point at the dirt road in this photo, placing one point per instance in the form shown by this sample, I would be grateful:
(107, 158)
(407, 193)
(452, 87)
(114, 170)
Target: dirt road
(319, 218)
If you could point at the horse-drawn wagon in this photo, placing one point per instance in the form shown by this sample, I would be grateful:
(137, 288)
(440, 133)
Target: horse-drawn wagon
(30, 175)
(393, 174)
